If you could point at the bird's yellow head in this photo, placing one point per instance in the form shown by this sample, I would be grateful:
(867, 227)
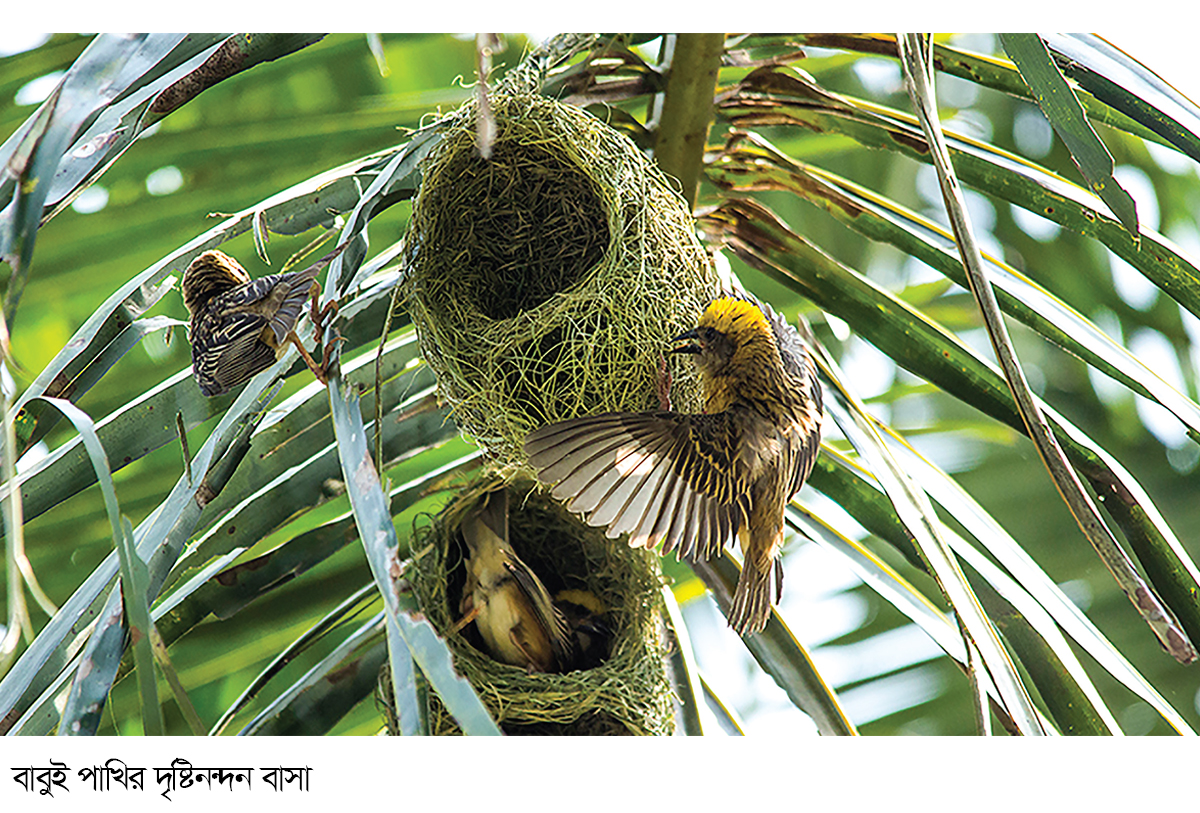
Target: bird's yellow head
(210, 274)
(730, 333)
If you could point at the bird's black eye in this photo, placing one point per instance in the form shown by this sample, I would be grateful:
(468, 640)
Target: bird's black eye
(709, 334)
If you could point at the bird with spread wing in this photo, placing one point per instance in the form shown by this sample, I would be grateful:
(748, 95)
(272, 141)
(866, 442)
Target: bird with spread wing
(692, 481)
(240, 326)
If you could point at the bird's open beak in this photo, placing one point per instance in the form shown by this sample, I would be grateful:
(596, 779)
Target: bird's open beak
(692, 342)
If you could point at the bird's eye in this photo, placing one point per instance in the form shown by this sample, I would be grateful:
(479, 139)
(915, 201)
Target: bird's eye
(709, 334)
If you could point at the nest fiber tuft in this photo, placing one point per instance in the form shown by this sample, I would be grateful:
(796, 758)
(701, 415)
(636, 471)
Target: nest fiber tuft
(628, 693)
(546, 281)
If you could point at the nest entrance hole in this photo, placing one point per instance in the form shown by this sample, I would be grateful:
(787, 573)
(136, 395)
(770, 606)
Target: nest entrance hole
(535, 226)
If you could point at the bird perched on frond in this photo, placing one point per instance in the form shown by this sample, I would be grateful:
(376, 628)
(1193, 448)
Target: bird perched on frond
(691, 481)
(509, 604)
(240, 326)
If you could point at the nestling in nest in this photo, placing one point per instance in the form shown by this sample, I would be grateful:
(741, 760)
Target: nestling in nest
(608, 596)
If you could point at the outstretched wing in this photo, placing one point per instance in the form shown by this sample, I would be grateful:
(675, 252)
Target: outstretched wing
(279, 298)
(294, 293)
(657, 476)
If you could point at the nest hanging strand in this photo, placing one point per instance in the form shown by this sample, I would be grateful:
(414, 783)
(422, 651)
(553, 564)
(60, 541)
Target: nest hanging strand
(529, 75)
(546, 282)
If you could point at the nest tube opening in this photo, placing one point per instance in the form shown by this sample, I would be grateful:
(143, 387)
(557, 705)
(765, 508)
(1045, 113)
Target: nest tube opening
(528, 225)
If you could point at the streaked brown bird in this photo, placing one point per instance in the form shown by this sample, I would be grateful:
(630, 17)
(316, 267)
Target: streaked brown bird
(691, 481)
(240, 326)
(509, 604)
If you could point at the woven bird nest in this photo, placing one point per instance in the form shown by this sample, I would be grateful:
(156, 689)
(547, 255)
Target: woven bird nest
(627, 693)
(546, 281)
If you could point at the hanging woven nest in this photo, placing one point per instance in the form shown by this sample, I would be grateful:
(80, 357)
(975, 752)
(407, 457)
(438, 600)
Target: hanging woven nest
(547, 281)
(625, 690)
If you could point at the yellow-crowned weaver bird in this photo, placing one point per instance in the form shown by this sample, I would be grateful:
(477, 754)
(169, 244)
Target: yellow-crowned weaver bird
(241, 326)
(509, 604)
(691, 481)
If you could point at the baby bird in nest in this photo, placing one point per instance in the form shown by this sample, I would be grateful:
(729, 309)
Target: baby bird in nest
(510, 606)
(586, 614)
(691, 481)
(241, 326)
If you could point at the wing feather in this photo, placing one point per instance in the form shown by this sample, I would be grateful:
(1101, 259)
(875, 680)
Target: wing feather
(658, 476)
(295, 288)
(633, 491)
(630, 464)
(549, 618)
(571, 452)
(708, 523)
(654, 524)
(573, 489)
(636, 518)
(691, 523)
(584, 466)
(675, 520)
(229, 352)
(809, 431)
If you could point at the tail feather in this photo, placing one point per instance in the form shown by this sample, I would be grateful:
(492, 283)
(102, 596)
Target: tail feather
(300, 284)
(751, 601)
